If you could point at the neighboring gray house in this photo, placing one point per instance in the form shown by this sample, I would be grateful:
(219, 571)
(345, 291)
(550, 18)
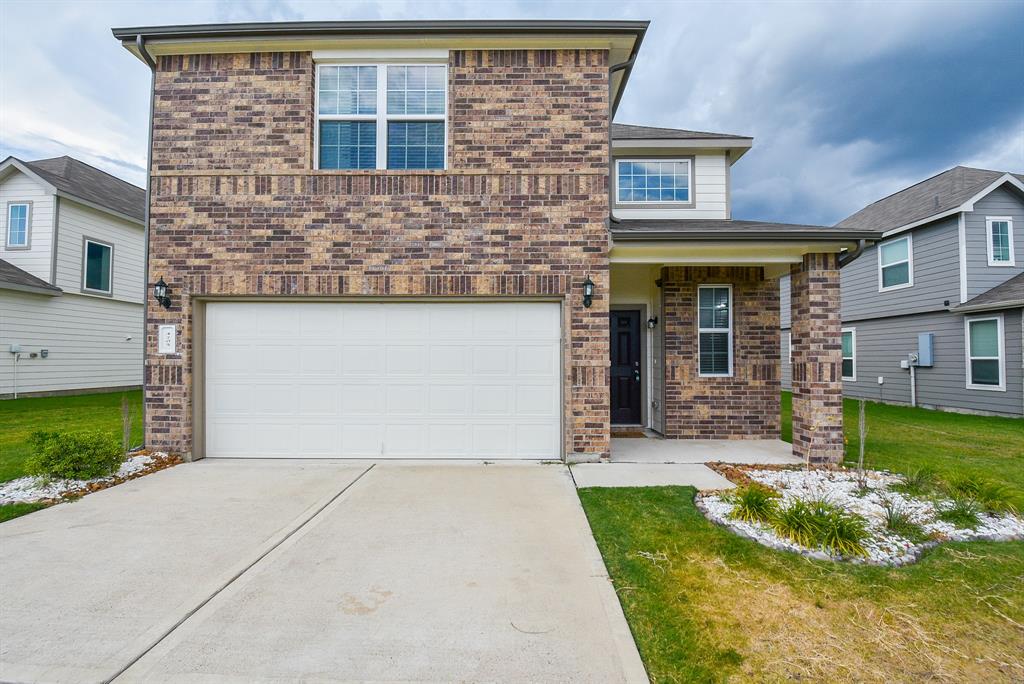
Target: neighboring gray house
(950, 264)
(71, 278)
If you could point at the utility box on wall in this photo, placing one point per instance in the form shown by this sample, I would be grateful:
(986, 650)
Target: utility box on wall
(925, 349)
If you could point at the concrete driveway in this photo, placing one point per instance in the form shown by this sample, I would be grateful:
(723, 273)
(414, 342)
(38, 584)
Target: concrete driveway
(314, 571)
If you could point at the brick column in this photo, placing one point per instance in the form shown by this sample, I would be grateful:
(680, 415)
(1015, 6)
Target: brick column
(817, 360)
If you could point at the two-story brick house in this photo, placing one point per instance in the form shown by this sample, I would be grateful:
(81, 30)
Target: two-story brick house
(428, 239)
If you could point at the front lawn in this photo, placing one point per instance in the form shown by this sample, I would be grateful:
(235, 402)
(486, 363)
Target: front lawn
(707, 605)
(19, 418)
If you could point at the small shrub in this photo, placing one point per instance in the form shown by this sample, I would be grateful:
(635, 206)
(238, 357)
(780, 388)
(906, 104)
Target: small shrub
(73, 455)
(963, 512)
(754, 503)
(798, 522)
(918, 482)
(898, 521)
(843, 534)
(991, 496)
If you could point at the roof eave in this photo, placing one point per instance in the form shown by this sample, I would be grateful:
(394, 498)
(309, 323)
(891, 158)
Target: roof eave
(32, 289)
(993, 306)
(821, 236)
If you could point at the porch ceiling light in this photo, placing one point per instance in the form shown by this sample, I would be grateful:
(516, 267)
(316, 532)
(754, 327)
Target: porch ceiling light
(588, 292)
(162, 293)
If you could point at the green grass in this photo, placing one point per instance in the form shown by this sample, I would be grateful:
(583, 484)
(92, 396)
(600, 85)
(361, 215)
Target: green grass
(904, 439)
(19, 418)
(706, 605)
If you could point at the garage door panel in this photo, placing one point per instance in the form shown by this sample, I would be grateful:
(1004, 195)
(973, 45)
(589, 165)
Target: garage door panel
(382, 380)
(362, 360)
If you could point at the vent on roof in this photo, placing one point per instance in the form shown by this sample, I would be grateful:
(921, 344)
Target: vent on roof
(936, 201)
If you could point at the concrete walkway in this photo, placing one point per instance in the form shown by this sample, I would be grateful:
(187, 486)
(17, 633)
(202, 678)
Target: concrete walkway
(648, 475)
(235, 571)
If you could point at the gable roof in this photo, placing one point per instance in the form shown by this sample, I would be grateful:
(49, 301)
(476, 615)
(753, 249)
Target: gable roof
(931, 198)
(1008, 295)
(78, 180)
(633, 132)
(14, 278)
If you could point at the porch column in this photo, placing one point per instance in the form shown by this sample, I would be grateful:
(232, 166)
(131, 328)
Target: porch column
(817, 360)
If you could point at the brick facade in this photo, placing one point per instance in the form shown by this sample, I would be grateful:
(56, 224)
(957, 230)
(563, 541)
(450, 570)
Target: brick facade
(817, 360)
(745, 405)
(237, 209)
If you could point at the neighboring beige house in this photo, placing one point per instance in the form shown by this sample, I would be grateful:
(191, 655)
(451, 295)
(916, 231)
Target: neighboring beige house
(429, 240)
(72, 256)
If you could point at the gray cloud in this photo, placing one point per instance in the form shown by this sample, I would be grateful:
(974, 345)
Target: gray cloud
(843, 99)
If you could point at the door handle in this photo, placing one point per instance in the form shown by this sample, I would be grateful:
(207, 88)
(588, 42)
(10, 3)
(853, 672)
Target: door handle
(636, 375)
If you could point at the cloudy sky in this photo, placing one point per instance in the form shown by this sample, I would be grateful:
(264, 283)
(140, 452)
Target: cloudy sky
(847, 102)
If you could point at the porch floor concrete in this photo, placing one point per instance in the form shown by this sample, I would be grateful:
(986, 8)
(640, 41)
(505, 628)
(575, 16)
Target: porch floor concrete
(647, 475)
(747, 451)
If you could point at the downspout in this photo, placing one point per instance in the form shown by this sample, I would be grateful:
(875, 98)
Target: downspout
(621, 66)
(844, 259)
(140, 45)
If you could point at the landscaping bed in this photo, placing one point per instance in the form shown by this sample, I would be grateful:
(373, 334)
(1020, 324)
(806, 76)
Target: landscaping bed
(41, 490)
(882, 519)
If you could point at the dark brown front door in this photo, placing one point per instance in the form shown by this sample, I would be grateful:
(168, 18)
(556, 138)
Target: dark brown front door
(625, 347)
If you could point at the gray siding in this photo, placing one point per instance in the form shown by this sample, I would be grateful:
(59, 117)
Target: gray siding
(881, 344)
(784, 303)
(980, 276)
(936, 277)
(87, 339)
(787, 367)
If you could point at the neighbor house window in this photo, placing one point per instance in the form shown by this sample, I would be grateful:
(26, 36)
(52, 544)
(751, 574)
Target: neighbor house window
(97, 262)
(895, 264)
(17, 225)
(849, 354)
(653, 181)
(1000, 240)
(381, 116)
(985, 360)
(714, 329)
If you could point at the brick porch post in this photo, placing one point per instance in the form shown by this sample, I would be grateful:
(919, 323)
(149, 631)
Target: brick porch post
(817, 360)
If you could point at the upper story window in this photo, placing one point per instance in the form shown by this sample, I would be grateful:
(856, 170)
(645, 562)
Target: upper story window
(653, 181)
(1000, 240)
(985, 359)
(381, 116)
(18, 225)
(714, 330)
(97, 266)
(895, 264)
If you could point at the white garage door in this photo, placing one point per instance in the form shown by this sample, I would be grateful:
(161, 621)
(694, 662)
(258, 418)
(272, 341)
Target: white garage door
(377, 380)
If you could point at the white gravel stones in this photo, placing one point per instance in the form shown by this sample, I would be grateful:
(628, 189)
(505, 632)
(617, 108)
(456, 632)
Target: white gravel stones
(31, 489)
(841, 489)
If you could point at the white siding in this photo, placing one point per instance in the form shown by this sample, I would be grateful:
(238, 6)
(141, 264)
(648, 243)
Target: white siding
(78, 221)
(85, 337)
(18, 187)
(710, 190)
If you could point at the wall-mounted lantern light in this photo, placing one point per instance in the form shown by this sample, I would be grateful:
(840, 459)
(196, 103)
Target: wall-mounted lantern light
(588, 292)
(162, 293)
(651, 322)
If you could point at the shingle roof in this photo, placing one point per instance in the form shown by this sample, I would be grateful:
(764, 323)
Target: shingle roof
(13, 278)
(631, 132)
(1008, 295)
(703, 229)
(80, 180)
(935, 195)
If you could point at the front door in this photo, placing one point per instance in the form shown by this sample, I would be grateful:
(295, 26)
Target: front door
(625, 348)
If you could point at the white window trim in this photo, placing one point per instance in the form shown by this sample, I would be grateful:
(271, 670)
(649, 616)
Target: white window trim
(28, 227)
(382, 118)
(989, 220)
(853, 358)
(909, 262)
(85, 260)
(689, 181)
(998, 318)
(708, 286)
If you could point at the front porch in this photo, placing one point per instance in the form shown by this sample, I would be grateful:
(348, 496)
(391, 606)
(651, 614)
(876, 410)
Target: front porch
(696, 358)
